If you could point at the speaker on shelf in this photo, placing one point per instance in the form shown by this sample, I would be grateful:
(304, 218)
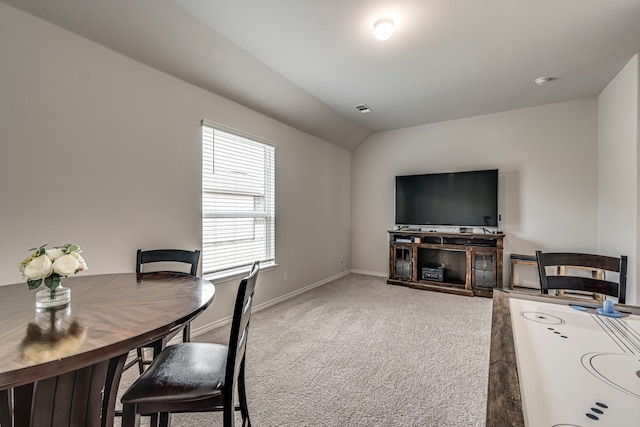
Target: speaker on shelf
(434, 274)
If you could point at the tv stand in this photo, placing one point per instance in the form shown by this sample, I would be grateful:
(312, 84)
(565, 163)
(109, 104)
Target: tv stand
(471, 263)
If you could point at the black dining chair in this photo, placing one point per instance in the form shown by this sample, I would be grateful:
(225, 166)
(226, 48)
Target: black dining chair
(176, 259)
(564, 261)
(197, 377)
(168, 256)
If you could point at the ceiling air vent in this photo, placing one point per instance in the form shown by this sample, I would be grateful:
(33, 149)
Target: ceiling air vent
(362, 108)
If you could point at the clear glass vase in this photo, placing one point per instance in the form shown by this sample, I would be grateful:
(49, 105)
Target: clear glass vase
(53, 298)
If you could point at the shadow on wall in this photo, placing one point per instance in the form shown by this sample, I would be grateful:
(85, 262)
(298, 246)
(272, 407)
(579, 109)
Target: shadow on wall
(509, 194)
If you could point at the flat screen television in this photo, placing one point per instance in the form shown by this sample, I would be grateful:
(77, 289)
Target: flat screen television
(448, 199)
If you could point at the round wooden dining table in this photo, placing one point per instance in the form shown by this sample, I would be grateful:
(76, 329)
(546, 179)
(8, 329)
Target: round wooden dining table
(63, 365)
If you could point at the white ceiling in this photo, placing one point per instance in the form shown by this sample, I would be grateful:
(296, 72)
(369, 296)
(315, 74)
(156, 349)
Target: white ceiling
(308, 62)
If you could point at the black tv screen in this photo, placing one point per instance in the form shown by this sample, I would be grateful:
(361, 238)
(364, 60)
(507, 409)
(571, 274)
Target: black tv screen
(453, 199)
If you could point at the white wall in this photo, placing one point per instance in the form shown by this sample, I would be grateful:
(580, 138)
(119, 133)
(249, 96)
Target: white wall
(546, 158)
(102, 151)
(618, 161)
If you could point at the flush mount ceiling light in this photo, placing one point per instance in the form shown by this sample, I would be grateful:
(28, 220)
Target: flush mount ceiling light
(383, 29)
(542, 80)
(363, 108)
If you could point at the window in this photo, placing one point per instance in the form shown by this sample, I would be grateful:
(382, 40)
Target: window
(238, 207)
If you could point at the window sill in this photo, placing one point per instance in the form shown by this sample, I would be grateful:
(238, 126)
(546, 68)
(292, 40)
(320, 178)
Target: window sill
(236, 274)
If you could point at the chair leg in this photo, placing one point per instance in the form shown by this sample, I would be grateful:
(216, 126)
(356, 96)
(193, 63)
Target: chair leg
(186, 333)
(228, 410)
(164, 419)
(140, 354)
(110, 390)
(242, 397)
(158, 346)
(130, 417)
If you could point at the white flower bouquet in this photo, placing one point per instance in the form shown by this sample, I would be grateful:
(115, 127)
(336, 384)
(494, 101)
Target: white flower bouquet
(49, 265)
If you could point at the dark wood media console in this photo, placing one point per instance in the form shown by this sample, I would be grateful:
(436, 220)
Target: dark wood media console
(459, 263)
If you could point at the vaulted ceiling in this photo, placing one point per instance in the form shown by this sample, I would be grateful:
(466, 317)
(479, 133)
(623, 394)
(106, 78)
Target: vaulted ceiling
(307, 63)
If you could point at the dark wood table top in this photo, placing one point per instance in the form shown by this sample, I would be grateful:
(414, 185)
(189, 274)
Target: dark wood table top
(504, 402)
(109, 315)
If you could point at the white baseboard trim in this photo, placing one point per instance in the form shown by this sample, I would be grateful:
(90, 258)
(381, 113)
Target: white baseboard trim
(370, 273)
(256, 308)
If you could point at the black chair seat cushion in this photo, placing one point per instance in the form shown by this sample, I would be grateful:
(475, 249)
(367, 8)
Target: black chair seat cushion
(181, 373)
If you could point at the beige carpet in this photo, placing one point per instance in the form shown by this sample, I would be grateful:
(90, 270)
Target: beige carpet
(359, 352)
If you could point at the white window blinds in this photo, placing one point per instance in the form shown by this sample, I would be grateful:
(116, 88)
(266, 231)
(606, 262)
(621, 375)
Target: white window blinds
(238, 206)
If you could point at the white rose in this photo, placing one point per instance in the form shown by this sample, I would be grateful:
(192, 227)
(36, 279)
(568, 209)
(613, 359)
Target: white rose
(38, 268)
(65, 265)
(83, 264)
(54, 253)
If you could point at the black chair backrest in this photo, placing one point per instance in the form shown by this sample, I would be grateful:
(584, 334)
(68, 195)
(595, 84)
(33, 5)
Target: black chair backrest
(589, 284)
(240, 329)
(168, 255)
